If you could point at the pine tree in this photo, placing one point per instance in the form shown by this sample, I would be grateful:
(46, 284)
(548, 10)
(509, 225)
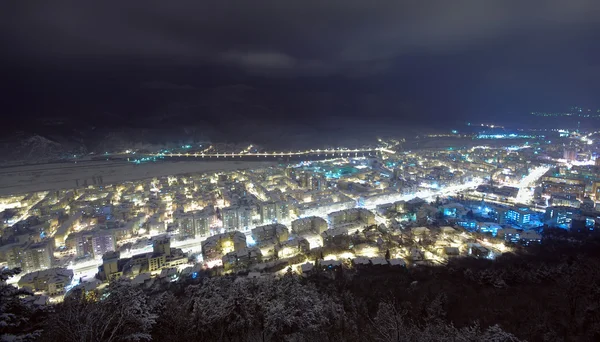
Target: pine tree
(15, 314)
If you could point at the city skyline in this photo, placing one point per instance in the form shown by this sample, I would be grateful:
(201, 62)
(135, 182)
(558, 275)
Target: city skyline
(264, 170)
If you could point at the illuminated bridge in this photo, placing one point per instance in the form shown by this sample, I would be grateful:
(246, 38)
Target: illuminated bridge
(285, 156)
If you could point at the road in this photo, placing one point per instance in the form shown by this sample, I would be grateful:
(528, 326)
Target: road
(525, 194)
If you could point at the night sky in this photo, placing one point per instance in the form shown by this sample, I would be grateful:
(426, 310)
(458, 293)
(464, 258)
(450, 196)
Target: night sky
(301, 62)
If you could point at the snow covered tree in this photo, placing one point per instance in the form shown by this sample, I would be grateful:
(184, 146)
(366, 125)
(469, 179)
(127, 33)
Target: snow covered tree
(123, 315)
(15, 314)
(389, 324)
(295, 309)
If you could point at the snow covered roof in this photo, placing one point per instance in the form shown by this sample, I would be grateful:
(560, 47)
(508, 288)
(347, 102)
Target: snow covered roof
(451, 251)
(360, 261)
(307, 267)
(419, 230)
(168, 272)
(379, 261)
(332, 263)
(49, 275)
(397, 262)
(335, 232)
(141, 278)
(37, 300)
(447, 229)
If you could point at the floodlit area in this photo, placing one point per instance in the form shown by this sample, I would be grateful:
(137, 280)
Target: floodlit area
(174, 220)
(525, 194)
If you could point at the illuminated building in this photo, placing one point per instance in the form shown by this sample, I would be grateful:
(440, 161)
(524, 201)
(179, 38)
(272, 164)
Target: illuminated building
(479, 251)
(351, 216)
(330, 265)
(244, 218)
(242, 258)
(65, 228)
(519, 236)
(161, 245)
(156, 225)
(51, 281)
(308, 225)
(565, 200)
(292, 247)
(218, 245)
(109, 270)
(35, 256)
(103, 242)
(337, 237)
(587, 204)
(230, 218)
(197, 223)
(596, 191)
(570, 154)
(582, 224)
(271, 232)
(518, 216)
(185, 225)
(467, 224)
(82, 242)
(559, 216)
(163, 256)
(269, 211)
(236, 218)
(553, 184)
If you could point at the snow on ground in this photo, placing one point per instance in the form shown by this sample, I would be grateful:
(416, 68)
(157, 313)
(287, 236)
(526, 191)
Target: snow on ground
(43, 177)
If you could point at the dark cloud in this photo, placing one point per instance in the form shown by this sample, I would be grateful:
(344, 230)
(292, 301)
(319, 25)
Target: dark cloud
(167, 86)
(390, 61)
(310, 36)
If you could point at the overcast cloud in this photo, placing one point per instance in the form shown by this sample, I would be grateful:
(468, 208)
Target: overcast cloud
(317, 36)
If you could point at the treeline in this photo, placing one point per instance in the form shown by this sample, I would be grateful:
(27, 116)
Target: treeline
(550, 295)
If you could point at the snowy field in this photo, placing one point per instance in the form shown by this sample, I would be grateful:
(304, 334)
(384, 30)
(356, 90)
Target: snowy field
(30, 178)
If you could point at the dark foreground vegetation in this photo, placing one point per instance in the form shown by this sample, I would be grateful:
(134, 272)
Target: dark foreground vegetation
(549, 294)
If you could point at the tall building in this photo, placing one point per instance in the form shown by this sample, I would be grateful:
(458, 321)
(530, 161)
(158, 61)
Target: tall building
(38, 256)
(268, 212)
(270, 233)
(103, 242)
(185, 225)
(84, 245)
(318, 183)
(596, 191)
(309, 225)
(518, 216)
(110, 266)
(245, 218)
(570, 154)
(230, 218)
(216, 246)
(305, 181)
(162, 245)
(283, 211)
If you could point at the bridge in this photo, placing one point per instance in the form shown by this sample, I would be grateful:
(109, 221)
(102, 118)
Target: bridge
(287, 156)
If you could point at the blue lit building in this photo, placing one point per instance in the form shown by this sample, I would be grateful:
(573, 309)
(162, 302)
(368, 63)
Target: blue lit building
(560, 216)
(467, 224)
(518, 216)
